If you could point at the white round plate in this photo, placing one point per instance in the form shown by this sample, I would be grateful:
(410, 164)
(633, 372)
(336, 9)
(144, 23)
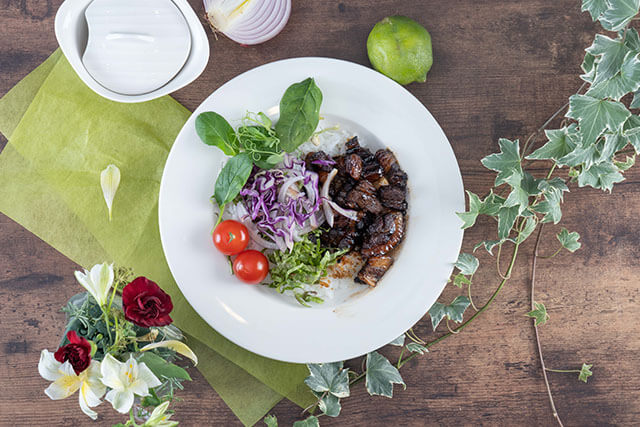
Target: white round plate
(259, 319)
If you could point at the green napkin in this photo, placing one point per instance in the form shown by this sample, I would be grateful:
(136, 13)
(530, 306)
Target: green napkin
(49, 182)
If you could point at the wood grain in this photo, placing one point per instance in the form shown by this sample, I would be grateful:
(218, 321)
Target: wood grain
(501, 68)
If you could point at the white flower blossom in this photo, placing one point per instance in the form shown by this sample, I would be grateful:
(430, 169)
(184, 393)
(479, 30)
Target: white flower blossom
(125, 380)
(97, 282)
(158, 418)
(66, 382)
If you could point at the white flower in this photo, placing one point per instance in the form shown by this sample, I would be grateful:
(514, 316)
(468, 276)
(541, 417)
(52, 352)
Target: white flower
(109, 181)
(159, 419)
(66, 382)
(97, 282)
(125, 380)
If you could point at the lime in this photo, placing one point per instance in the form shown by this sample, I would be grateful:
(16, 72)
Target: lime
(400, 48)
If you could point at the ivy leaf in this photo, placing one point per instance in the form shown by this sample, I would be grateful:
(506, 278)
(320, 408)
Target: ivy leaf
(507, 162)
(627, 164)
(610, 53)
(461, 280)
(329, 377)
(506, 219)
(414, 347)
(589, 67)
(453, 311)
(619, 14)
(553, 190)
(328, 404)
(631, 130)
(489, 206)
(540, 314)
(271, 421)
(635, 102)
(632, 40)
(595, 116)
(529, 225)
(594, 7)
(399, 342)
(569, 241)
(489, 245)
(467, 264)
(627, 80)
(602, 176)
(312, 421)
(612, 143)
(381, 375)
(585, 372)
(560, 143)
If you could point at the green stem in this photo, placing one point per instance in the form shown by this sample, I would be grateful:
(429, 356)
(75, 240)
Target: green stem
(105, 313)
(401, 354)
(552, 255)
(477, 313)
(563, 371)
(469, 292)
(219, 216)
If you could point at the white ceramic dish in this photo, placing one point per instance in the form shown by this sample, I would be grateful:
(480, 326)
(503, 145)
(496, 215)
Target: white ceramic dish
(256, 317)
(72, 34)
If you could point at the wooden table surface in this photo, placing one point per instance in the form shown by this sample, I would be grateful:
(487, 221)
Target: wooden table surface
(500, 69)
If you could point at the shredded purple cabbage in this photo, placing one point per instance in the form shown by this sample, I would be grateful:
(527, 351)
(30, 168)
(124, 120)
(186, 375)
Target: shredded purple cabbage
(283, 203)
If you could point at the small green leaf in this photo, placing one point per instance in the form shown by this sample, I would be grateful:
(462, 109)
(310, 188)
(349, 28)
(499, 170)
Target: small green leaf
(489, 245)
(589, 68)
(631, 130)
(601, 176)
(461, 280)
(398, 342)
(329, 404)
(414, 347)
(529, 225)
(594, 7)
(539, 314)
(232, 178)
(271, 421)
(161, 368)
(454, 311)
(381, 375)
(569, 240)
(213, 129)
(627, 164)
(506, 219)
(311, 421)
(329, 377)
(467, 264)
(585, 372)
(595, 116)
(489, 206)
(553, 190)
(506, 163)
(610, 54)
(619, 14)
(561, 142)
(299, 114)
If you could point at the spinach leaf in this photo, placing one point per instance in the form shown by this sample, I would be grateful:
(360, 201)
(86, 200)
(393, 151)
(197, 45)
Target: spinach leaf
(213, 129)
(299, 114)
(232, 178)
(262, 144)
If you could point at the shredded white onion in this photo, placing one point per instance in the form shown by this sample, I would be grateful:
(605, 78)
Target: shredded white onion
(324, 194)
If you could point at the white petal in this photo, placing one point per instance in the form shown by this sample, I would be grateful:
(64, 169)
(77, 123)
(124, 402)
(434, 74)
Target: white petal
(139, 387)
(110, 370)
(48, 366)
(101, 276)
(177, 346)
(67, 369)
(85, 280)
(129, 369)
(94, 377)
(145, 374)
(158, 413)
(87, 398)
(63, 387)
(120, 400)
(109, 181)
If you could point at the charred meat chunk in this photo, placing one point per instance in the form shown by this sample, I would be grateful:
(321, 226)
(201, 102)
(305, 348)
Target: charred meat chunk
(319, 161)
(354, 147)
(394, 197)
(374, 269)
(397, 176)
(386, 159)
(363, 196)
(372, 171)
(353, 166)
(383, 235)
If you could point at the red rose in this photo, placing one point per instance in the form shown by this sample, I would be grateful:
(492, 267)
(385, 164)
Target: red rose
(77, 352)
(145, 304)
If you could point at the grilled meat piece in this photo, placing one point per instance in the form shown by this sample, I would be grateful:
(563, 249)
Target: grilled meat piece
(324, 162)
(345, 233)
(386, 159)
(383, 235)
(353, 147)
(393, 196)
(364, 197)
(374, 269)
(372, 171)
(353, 165)
(397, 176)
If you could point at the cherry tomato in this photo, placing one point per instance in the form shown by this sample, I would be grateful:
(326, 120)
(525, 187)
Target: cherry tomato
(231, 237)
(251, 267)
